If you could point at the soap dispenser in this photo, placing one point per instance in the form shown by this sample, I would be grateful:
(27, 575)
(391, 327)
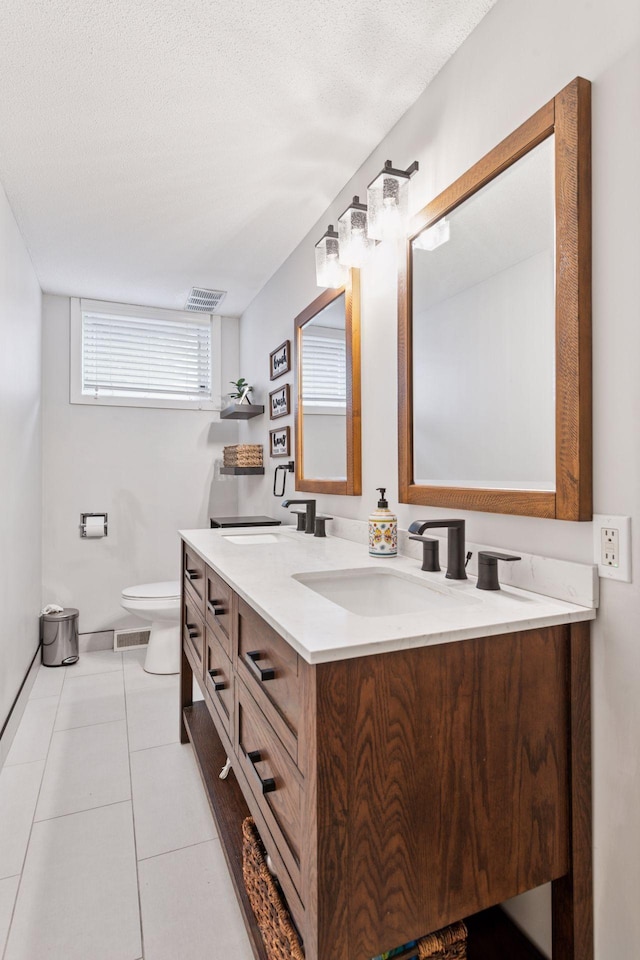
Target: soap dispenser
(383, 529)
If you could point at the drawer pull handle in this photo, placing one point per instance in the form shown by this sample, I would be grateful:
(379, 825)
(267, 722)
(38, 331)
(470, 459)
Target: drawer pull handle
(262, 673)
(268, 785)
(192, 630)
(216, 610)
(191, 574)
(218, 685)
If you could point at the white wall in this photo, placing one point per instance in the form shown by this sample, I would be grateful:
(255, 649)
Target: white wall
(519, 57)
(151, 470)
(20, 459)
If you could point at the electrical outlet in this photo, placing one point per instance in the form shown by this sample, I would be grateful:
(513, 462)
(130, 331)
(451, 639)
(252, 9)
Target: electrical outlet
(612, 546)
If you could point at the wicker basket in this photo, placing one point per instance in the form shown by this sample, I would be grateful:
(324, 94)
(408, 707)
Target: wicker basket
(279, 936)
(450, 943)
(243, 455)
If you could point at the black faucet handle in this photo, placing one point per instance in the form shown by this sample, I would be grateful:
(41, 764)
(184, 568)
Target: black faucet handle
(430, 553)
(301, 519)
(488, 568)
(493, 555)
(319, 530)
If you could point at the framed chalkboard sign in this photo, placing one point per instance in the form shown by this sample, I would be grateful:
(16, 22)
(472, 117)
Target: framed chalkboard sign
(279, 442)
(279, 402)
(280, 360)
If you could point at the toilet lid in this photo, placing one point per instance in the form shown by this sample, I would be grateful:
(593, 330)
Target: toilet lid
(165, 590)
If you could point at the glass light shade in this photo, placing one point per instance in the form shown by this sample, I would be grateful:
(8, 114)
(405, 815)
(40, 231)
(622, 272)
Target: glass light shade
(329, 271)
(355, 245)
(388, 203)
(433, 236)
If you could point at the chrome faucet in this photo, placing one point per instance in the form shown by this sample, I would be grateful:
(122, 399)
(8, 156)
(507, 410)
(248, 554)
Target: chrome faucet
(310, 521)
(455, 543)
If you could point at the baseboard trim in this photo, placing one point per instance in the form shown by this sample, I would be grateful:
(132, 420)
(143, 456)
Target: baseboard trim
(95, 640)
(10, 725)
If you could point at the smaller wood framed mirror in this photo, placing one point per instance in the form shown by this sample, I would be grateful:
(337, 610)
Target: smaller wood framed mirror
(327, 369)
(494, 327)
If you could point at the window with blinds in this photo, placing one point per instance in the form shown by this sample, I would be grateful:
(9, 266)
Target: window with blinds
(324, 362)
(146, 357)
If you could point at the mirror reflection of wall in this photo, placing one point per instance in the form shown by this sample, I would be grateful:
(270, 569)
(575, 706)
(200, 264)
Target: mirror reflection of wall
(484, 335)
(324, 393)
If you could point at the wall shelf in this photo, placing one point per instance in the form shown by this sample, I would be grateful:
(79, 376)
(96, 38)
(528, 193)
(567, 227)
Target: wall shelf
(241, 471)
(241, 411)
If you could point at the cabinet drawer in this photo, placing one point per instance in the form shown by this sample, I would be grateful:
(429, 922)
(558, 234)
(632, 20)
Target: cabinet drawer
(273, 778)
(218, 679)
(194, 575)
(192, 628)
(270, 669)
(220, 608)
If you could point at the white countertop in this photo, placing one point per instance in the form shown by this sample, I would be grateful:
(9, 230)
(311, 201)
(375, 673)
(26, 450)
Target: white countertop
(321, 630)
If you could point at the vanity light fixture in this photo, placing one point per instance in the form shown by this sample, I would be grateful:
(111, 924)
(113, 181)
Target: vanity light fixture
(433, 237)
(330, 272)
(388, 202)
(355, 245)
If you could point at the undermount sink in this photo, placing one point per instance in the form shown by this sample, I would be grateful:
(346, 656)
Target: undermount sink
(248, 539)
(382, 593)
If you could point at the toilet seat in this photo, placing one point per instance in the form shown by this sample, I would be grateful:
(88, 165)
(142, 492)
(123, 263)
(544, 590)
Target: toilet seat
(165, 590)
(160, 608)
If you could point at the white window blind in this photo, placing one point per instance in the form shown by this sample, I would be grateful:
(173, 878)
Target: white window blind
(324, 383)
(145, 357)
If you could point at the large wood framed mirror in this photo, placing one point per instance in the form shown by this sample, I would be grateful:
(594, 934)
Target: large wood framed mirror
(327, 416)
(494, 327)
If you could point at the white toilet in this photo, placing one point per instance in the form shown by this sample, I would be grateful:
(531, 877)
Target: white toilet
(159, 603)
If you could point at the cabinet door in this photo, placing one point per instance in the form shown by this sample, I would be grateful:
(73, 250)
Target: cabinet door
(193, 629)
(218, 680)
(193, 576)
(220, 609)
(442, 774)
(274, 780)
(270, 669)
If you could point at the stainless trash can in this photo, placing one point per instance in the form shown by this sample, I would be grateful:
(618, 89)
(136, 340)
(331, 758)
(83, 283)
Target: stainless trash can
(60, 638)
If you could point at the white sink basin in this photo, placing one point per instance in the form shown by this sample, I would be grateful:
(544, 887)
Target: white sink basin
(247, 539)
(382, 593)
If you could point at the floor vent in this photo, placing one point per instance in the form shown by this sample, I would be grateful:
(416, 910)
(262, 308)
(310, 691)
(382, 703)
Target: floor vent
(204, 301)
(125, 639)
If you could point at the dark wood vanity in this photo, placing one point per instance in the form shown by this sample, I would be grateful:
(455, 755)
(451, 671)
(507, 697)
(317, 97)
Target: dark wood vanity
(395, 793)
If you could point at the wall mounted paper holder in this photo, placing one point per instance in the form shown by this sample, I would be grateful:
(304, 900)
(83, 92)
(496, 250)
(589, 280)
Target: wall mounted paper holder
(83, 522)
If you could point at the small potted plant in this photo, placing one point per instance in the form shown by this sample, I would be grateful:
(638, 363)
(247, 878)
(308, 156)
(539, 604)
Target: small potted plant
(242, 390)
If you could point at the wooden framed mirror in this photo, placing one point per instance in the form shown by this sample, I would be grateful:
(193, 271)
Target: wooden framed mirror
(494, 327)
(327, 415)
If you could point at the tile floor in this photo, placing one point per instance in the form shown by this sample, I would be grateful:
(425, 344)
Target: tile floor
(108, 850)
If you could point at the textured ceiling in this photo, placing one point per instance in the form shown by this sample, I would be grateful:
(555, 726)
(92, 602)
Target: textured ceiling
(150, 145)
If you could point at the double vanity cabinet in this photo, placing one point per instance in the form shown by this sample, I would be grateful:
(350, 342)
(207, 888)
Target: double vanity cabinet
(396, 791)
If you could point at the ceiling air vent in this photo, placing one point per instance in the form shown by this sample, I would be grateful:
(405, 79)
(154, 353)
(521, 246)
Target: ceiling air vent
(204, 301)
